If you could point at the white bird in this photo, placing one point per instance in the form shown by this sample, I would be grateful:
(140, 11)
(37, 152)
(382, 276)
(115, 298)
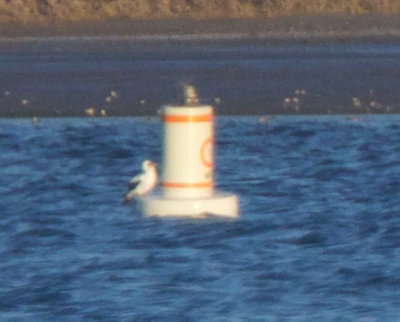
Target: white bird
(296, 100)
(142, 183)
(25, 102)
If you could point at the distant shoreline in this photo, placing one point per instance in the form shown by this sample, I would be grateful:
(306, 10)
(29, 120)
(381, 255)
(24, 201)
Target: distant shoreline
(331, 27)
(112, 35)
(126, 40)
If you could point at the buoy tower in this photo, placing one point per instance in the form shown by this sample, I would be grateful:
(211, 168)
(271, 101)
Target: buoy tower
(187, 171)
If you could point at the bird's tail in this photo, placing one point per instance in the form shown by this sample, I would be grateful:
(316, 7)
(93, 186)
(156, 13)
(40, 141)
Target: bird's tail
(126, 200)
(128, 197)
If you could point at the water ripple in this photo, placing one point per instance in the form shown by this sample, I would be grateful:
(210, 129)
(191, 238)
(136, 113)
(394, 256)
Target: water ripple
(318, 233)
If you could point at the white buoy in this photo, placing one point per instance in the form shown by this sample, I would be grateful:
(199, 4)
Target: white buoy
(187, 179)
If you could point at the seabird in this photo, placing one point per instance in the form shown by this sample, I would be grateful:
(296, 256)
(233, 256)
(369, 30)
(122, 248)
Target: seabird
(287, 101)
(91, 111)
(142, 183)
(356, 102)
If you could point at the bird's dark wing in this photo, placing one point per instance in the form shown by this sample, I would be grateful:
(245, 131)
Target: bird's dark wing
(135, 181)
(133, 184)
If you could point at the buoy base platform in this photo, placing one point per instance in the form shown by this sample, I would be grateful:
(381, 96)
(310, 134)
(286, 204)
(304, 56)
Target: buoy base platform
(219, 204)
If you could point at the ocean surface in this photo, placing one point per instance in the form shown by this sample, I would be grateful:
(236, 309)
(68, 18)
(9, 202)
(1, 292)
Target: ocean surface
(318, 238)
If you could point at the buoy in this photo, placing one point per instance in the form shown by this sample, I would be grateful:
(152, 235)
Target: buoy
(187, 179)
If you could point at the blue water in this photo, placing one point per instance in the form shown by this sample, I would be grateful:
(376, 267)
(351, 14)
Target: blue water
(318, 236)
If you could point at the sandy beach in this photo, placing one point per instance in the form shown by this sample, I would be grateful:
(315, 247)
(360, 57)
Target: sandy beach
(334, 27)
(115, 35)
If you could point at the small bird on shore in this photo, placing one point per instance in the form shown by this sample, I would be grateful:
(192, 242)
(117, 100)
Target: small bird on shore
(142, 183)
(91, 111)
(25, 102)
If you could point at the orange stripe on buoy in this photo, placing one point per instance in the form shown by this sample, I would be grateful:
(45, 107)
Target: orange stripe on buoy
(207, 184)
(206, 154)
(188, 118)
